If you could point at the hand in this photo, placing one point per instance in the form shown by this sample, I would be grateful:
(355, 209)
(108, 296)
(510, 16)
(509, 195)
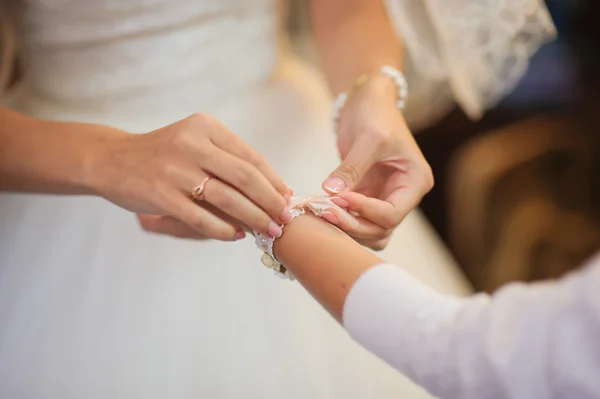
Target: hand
(154, 175)
(383, 175)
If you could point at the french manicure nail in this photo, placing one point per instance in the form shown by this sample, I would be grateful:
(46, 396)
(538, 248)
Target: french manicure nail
(330, 217)
(342, 203)
(286, 216)
(239, 235)
(335, 185)
(274, 230)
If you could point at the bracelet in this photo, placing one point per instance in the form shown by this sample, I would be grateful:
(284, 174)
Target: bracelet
(265, 244)
(316, 204)
(389, 71)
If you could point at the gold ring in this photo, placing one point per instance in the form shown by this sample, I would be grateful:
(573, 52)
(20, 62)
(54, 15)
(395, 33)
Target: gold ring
(198, 192)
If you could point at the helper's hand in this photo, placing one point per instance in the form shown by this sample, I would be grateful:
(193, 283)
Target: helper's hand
(154, 175)
(383, 175)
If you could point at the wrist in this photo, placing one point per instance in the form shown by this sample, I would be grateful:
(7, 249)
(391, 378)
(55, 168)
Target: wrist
(97, 152)
(325, 260)
(388, 83)
(380, 85)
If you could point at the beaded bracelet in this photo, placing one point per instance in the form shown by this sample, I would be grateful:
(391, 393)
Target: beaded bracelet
(389, 71)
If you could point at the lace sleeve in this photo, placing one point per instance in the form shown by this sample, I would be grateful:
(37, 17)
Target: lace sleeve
(477, 49)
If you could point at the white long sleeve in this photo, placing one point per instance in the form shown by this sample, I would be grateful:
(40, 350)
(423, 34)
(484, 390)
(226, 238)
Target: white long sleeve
(532, 341)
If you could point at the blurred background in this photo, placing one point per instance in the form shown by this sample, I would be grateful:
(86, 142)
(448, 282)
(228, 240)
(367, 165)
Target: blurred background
(517, 195)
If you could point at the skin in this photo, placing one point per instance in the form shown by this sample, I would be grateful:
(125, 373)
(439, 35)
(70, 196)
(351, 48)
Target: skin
(331, 266)
(162, 168)
(383, 174)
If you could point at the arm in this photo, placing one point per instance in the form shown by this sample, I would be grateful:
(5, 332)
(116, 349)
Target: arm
(325, 261)
(152, 174)
(526, 341)
(49, 157)
(353, 37)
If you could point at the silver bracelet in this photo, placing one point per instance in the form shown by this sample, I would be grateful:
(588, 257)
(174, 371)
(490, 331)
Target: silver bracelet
(389, 71)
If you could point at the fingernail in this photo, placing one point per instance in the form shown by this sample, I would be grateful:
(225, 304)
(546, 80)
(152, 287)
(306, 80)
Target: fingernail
(274, 230)
(330, 217)
(342, 203)
(335, 185)
(288, 198)
(286, 216)
(240, 235)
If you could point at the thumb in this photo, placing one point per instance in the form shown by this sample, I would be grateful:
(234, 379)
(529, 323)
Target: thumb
(351, 171)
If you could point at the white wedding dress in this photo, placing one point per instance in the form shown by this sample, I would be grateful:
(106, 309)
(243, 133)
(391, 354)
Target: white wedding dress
(93, 307)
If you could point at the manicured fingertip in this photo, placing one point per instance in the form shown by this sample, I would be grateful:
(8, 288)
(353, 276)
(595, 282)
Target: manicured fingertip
(334, 185)
(274, 230)
(239, 235)
(330, 217)
(286, 216)
(342, 203)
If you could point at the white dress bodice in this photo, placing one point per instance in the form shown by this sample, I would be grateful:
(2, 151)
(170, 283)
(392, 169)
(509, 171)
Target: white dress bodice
(139, 57)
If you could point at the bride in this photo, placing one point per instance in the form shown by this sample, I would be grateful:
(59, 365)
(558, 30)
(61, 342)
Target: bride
(91, 306)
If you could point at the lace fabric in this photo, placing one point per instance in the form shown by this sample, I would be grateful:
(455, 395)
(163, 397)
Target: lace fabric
(317, 204)
(471, 51)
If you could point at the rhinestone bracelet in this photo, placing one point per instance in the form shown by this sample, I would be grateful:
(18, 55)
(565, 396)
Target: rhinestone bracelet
(389, 71)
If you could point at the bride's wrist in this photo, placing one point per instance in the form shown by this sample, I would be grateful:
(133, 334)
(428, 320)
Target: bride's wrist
(388, 84)
(380, 86)
(383, 84)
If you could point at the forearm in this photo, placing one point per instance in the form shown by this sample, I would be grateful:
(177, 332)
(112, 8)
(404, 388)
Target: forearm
(353, 37)
(525, 341)
(48, 157)
(324, 260)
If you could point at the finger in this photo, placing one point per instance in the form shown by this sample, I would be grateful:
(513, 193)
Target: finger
(228, 141)
(382, 213)
(229, 205)
(233, 203)
(376, 245)
(356, 227)
(388, 214)
(168, 225)
(250, 182)
(223, 216)
(407, 197)
(361, 157)
(201, 220)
